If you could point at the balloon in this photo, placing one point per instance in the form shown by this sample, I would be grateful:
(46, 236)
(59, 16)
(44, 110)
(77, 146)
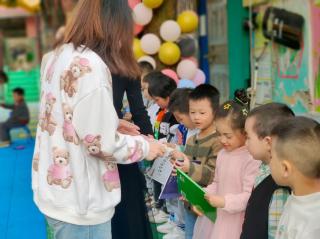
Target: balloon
(138, 52)
(187, 46)
(188, 21)
(137, 29)
(200, 77)
(170, 30)
(153, 3)
(133, 3)
(193, 59)
(186, 69)
(171, 73)
(150, 43)
(184, 83)
(148, 59)
(142, 15)
(169, 53)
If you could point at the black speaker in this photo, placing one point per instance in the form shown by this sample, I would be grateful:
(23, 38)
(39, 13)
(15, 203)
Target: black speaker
(283, 27)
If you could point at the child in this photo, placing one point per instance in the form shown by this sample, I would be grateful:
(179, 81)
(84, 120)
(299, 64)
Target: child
(267, 199)
(151, 107)
(179, 107)
(18, 117)
(201, 149)
(295, 163)
(234, 176)
(160, 88)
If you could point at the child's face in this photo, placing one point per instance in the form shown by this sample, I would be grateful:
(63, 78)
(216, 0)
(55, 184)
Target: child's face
(201, 113)
(280, 168)
(162, 102)
(17, 97)
(144, 88)
(230, 139)
(258, 148)
(184, 119)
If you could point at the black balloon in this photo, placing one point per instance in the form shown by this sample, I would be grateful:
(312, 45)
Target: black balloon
(187, 46)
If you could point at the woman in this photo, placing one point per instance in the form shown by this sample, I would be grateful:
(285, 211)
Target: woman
(75, 178)
(131, 211)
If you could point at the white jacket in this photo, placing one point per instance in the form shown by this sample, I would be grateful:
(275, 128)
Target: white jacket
(74, 172)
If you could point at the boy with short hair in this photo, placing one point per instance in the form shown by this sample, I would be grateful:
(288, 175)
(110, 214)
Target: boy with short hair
(18, 117)
(267, 200)
(160, 88)
(201, 150)
(295, 163)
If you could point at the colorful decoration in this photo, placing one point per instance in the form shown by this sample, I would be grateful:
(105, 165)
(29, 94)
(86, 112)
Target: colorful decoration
(188, 21)
(169, 53)
(137, 50)
(184, 83)
(142, 15)
(187, 46)
(133, 3)
(170, 30)
(187, 69)
(137, 29)
(150, 43)
(200, 77)
(171, 73)
(153, 3)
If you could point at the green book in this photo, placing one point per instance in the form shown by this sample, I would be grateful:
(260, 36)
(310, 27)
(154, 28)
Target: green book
(194, 194)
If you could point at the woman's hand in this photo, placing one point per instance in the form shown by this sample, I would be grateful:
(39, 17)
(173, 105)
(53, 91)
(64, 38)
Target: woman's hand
(156, 150)
(214, 200)
(128, 128)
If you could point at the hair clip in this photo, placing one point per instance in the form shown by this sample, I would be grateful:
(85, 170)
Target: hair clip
(227, 106)
(245, 112)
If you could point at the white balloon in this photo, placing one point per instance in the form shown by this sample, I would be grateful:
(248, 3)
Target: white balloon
(148, 59)
(187, 69)
(142, 15)
(170, 30)
(150, 43)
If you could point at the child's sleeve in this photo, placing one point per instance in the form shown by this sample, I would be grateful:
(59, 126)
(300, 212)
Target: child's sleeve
(276, 207)
(235, 203)
(96, 122)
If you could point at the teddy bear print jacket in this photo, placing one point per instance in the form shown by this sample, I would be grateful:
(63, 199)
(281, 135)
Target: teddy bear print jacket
(74, 171)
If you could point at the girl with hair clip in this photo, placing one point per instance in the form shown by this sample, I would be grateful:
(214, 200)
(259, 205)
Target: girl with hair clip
(234, 175)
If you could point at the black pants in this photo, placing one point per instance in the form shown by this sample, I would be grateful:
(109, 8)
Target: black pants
(157, 191)
(131, 220)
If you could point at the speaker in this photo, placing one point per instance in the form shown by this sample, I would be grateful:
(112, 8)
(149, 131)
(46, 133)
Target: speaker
(283, 27)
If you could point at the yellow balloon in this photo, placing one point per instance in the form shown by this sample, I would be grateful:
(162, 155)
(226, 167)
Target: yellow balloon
(152, 3)
(169, 53)
(137, 50)
(188, 21)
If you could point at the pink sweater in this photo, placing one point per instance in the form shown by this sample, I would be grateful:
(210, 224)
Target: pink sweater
(234, 178)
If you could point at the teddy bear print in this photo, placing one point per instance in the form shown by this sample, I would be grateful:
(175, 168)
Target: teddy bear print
(111, 178)
(68, 80)
(135, 153)
(47, 123)
(35, 162)
(69, 133)
(93, 145)
(59, 172)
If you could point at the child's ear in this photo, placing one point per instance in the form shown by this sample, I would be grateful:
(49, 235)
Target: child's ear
(287, 168)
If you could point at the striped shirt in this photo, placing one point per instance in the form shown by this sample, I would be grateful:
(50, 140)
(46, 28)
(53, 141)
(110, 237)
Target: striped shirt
(202, 154)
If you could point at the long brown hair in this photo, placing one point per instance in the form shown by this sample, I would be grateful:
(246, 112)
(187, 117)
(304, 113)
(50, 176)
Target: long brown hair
(105, 27)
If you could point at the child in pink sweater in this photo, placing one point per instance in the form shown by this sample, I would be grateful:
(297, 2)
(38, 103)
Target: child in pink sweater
(234, 177)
